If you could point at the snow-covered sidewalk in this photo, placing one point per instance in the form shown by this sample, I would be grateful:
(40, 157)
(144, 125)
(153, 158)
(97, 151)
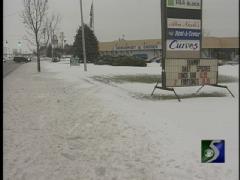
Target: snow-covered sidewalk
(62, 124)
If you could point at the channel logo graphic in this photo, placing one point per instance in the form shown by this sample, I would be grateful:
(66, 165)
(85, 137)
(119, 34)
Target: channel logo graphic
(213, 151)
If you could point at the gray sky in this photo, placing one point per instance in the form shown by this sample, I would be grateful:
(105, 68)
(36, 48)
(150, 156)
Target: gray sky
(136, 19)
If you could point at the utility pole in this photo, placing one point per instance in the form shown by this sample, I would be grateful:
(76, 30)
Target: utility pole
(54, 44)
(62, 39)
(52, 33)
(93, 18)
(83, 38)
(19, 47)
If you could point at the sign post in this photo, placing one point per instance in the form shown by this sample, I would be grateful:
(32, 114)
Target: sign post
(182, 64)
(74, 61)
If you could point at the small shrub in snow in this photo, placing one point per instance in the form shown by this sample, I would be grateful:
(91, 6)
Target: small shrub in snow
(120, 61)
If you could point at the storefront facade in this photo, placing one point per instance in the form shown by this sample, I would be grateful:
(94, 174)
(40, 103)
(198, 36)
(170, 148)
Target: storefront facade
(222, 48)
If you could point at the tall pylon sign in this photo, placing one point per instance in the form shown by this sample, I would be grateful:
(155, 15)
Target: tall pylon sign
(182, 65)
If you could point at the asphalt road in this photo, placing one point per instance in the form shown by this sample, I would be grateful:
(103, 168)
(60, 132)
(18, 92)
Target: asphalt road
(9, 66)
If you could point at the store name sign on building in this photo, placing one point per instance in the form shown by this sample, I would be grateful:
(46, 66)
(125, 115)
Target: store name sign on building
(137, 47)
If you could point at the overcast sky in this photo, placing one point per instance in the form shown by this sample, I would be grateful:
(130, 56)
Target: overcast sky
(136, 19)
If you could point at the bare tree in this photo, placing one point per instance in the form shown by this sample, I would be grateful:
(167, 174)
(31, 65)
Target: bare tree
(50, 27)
(34, 17)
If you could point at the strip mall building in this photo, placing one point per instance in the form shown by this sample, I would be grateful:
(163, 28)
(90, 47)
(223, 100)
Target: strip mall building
(212, 47)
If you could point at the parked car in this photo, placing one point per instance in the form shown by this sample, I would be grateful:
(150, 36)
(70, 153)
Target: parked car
(5, 59)
(141, 56)
(154, 59)
(55, 59)
(220, 62)
(158, 60)
(232, 62)
(65, 58)
(20, 59)
(29, 59)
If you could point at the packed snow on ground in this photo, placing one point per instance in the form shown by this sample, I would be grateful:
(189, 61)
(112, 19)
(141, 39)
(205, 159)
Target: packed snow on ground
(63, 124)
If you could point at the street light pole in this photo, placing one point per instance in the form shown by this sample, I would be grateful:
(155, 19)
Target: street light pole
(7, 48)
(19, 46)
(83, 39)
(52, 33)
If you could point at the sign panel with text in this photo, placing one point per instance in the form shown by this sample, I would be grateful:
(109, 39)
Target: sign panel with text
(191, 72)
(183, 45)
(183, 34)
(184, 23)
(185, 4)
(190, 34)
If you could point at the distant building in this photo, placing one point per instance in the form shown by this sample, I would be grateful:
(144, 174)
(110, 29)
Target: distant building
(212, 47)
(151, 47)
(222, 48)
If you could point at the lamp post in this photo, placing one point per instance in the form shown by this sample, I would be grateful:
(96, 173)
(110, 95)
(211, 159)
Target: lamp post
(7, 48)
(52, 42)
(83, 38)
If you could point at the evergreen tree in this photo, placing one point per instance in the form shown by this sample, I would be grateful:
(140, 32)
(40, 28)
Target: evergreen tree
(57, 52)
(91, 44)
(68, 49)
(49, 51)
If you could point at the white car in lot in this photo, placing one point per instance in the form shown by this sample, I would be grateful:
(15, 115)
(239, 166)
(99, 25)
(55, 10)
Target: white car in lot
(65, 58)
(232, 62)
(5, 59)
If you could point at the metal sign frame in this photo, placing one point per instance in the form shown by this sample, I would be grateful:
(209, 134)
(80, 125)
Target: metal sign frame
(74, 61)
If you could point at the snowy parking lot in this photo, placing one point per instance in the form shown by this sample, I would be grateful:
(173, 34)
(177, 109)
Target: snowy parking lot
(67, 124)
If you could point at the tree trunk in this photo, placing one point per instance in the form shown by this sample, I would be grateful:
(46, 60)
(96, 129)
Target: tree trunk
(38, 55)
(38, 59)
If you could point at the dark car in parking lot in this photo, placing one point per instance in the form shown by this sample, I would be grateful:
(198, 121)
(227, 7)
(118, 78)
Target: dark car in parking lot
(141, 56)
(154, 59)
(20, 59)
(55, 59)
